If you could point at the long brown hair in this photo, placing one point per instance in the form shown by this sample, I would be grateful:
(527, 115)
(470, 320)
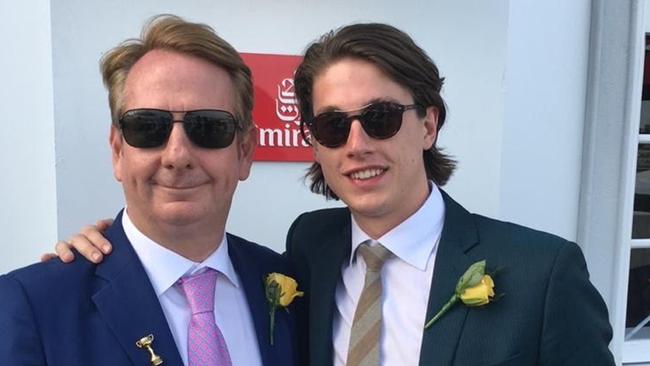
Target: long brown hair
(398, 57)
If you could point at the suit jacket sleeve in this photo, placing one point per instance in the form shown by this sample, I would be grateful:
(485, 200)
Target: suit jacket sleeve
(576, 329)
(20, 343)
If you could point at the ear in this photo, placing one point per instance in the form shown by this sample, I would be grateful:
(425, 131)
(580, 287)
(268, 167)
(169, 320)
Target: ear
(246, 144)
(430, 128)
(117, 144)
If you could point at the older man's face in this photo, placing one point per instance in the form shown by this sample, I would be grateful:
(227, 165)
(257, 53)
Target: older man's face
(179, 184)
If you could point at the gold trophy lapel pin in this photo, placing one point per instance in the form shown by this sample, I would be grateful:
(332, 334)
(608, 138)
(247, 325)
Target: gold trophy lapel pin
(146, 343)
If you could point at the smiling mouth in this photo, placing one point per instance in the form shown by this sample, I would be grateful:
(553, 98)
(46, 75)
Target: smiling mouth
(366, 173)
(180, 187)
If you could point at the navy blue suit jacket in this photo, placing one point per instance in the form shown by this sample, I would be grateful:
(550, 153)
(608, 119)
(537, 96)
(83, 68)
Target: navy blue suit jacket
(549, 314)
(86, 314)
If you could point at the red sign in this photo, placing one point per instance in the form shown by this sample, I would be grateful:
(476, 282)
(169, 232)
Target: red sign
(276, 114)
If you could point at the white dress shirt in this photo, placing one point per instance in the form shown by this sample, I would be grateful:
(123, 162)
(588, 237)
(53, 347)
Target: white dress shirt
(406, 281)
(164, 268)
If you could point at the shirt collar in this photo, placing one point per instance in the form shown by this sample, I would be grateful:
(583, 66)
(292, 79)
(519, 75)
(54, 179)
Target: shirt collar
(415, 238)
(164, 267)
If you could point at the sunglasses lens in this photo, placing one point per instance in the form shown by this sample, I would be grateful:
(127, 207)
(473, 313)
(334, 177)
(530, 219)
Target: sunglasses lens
(331, 129)
(210, 128)
(146, 128)
(382, 120)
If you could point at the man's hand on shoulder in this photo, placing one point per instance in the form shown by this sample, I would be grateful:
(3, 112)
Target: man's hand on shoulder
(89, 242)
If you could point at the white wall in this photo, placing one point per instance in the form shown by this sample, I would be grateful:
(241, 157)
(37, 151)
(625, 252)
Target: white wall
(469, 47)
(28, 188)
(497, 133)
(545, 92)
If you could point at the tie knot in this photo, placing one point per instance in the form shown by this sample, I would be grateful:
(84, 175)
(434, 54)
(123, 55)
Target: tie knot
(375, 256)
(199, 290)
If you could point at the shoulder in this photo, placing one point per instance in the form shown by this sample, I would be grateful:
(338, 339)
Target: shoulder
(312, 229)
(332, 213)
(241, 249)
(534, 252)
(535, 267)
(320, 222)
(506, 244)
(517, 236)
(48, 292)
(51, 276)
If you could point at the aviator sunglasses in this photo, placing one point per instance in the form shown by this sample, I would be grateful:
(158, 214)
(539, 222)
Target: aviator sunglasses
(381, 120)
(206, 128)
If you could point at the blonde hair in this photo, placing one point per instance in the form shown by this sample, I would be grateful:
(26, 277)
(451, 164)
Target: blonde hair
(170, 32)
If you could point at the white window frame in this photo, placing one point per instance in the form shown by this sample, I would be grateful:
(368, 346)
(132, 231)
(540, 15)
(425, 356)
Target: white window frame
(634, 350)
(611, 139)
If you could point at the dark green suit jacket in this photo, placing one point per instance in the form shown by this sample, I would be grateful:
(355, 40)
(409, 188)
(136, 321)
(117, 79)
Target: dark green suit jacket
(549, 313)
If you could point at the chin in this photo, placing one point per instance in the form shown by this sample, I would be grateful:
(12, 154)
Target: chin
(181, 213)
(369, 206)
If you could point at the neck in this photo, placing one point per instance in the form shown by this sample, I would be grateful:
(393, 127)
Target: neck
(377, 225)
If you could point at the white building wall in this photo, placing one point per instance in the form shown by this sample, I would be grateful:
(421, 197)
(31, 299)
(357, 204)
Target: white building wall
(28, 185)
(545, 90)
(467, 39)
(497, 133)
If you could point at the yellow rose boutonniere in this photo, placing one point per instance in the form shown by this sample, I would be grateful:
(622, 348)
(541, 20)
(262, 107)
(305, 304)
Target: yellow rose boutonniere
(280, 291)
(474, 288)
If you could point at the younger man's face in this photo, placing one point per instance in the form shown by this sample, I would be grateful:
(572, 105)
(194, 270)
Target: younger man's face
(383, 182)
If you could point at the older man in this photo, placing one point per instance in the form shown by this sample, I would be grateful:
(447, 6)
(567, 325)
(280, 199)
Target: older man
(177, 289)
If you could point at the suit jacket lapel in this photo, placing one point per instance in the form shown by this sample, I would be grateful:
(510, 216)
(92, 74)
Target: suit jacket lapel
(252, 281)
(252, 273)
(325, 273)
(128, 303)
(458, 236)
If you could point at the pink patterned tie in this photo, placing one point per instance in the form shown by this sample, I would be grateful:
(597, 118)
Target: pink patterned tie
(205, 343)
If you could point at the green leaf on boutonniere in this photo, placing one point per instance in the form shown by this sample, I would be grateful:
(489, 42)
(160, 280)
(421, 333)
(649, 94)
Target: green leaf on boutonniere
(474, 288)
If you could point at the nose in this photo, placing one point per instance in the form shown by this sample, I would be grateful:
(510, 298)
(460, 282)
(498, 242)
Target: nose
(177, 152)
(358, 142)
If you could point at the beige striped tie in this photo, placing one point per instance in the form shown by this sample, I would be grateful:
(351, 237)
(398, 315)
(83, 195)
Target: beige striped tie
(366, 326)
